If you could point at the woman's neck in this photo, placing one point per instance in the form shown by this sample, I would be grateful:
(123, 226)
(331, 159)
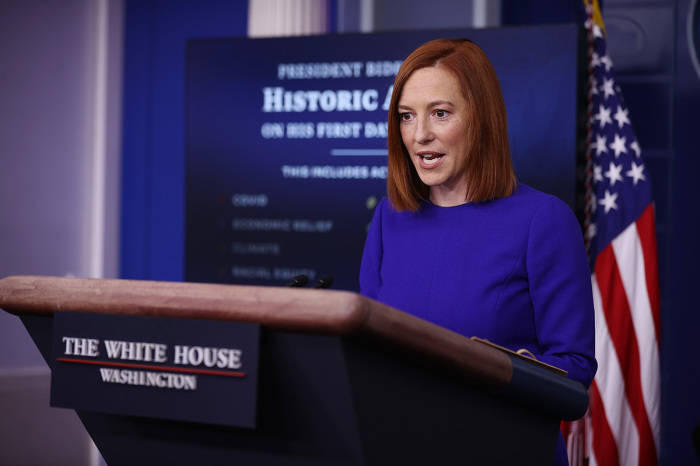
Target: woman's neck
(447, 197)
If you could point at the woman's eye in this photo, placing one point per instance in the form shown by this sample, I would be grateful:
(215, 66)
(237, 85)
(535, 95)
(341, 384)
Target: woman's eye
(405, 116)
(440, 113)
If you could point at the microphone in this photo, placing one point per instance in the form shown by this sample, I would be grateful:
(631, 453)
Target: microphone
(325, 281)
(298, 281)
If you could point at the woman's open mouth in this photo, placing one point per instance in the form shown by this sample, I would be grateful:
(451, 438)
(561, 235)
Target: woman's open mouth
(430, 158)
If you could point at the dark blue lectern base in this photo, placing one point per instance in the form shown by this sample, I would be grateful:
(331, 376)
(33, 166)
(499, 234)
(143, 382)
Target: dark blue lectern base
(329, 400)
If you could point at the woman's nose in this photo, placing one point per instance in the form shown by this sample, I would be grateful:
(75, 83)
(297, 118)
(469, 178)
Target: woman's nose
(424, 131)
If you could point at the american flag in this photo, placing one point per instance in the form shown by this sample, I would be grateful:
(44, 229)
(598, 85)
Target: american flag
(623, 427)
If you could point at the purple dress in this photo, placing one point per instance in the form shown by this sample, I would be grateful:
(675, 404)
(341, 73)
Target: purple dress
(513, 271)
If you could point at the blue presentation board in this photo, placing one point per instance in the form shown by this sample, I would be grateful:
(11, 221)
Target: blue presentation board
(286, 142)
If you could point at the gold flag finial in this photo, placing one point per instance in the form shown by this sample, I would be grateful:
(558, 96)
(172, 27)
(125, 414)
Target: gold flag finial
(597, 15)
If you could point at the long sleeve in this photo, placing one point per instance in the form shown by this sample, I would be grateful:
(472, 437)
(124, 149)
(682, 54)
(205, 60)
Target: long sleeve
(560, 290)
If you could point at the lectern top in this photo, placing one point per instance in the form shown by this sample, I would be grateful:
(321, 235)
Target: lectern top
(330, 312)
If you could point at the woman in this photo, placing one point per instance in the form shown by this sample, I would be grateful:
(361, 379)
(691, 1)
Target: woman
(459, 241)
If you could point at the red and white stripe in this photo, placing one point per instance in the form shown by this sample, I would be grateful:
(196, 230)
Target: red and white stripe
(625, 394)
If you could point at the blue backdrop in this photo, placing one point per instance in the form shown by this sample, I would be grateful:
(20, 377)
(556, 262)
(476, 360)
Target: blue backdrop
(153, 167)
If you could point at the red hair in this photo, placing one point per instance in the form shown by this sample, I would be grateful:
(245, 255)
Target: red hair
(488, 166)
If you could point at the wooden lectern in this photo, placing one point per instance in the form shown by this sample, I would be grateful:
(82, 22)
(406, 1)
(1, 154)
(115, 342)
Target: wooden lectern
(343, 380)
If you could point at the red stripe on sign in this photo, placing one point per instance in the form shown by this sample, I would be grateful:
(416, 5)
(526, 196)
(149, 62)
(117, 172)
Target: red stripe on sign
(156, 368)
